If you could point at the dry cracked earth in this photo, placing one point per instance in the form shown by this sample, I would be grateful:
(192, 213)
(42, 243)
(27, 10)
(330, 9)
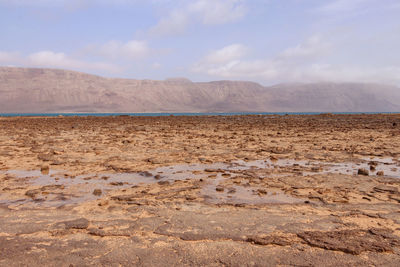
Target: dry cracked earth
(320, 190)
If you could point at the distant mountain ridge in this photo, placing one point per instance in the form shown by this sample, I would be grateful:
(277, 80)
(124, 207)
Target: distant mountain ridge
(38, 90)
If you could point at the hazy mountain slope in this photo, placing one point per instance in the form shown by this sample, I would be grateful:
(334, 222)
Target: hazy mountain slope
(50, 90)
(343, 97)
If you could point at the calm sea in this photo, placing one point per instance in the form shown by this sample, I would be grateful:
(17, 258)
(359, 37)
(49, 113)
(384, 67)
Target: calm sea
(179, 114)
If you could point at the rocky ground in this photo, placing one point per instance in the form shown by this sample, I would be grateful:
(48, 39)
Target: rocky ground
(240, 190)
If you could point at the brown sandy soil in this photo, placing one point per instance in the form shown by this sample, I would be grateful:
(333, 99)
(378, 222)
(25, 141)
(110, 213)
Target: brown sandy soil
(239, 190)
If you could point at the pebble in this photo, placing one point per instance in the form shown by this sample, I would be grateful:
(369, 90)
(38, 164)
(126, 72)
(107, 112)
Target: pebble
(45, 169)
(219, 189)
(97, 192)
(363, 172)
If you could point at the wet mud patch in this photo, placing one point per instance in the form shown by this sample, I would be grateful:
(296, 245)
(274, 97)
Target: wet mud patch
(49, 187)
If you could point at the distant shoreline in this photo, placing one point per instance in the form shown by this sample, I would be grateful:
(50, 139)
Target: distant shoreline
(162, 114)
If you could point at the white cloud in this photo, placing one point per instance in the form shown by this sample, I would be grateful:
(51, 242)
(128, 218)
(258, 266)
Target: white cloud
(241, 69)
(219, 62)
(301, 63)
(7, 57)
(48, 58)
(176, 23)
(342, 5)
(133, 49)
(61, 60)
(208, 12)
(226, 54)
(52, 59)
(330, 72)
(230, 61)
(113, 51)
(312, 47)
(63, 3)
(213, 12)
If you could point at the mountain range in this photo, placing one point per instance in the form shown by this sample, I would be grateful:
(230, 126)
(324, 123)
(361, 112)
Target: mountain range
(37, 90)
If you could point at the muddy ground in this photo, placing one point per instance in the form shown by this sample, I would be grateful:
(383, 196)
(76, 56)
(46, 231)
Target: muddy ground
(211, 190)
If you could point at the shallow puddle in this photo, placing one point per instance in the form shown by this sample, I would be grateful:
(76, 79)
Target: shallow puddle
(56, 184)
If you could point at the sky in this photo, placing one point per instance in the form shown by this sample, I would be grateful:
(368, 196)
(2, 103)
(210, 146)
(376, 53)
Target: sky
(265, 41)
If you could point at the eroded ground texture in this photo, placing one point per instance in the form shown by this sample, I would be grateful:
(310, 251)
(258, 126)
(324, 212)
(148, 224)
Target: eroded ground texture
(238, 191)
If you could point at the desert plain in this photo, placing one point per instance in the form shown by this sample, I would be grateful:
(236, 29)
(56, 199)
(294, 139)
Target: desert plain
(251, 190)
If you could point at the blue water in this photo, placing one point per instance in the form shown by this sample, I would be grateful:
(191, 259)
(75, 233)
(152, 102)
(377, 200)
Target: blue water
(178, 114)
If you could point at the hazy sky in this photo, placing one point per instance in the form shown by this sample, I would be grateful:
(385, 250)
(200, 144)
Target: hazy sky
(267, 41)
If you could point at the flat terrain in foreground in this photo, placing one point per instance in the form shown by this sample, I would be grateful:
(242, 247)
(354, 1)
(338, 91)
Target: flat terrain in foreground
(236, 190)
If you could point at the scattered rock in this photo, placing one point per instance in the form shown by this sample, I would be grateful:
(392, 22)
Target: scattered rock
(45, 157)
(270, 240)
(116, 167)
(372, 168)
(363, 172)
(103, 203)
(386, 189)
(56, 162)
(316, 169)
(44, 169)
(117, 183)
(231, 190)
(373, 163)
(219, 189)
(80, 223)
(96, 232)
(154, 161)
(189, 197)
(380, 173)
(262, 191)
(52, 187)
(125, 197)
(111, 232)
(352, 241)
(279, 150)
(145, 174)
(32, 193)
(97, 192)
(163, 183)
